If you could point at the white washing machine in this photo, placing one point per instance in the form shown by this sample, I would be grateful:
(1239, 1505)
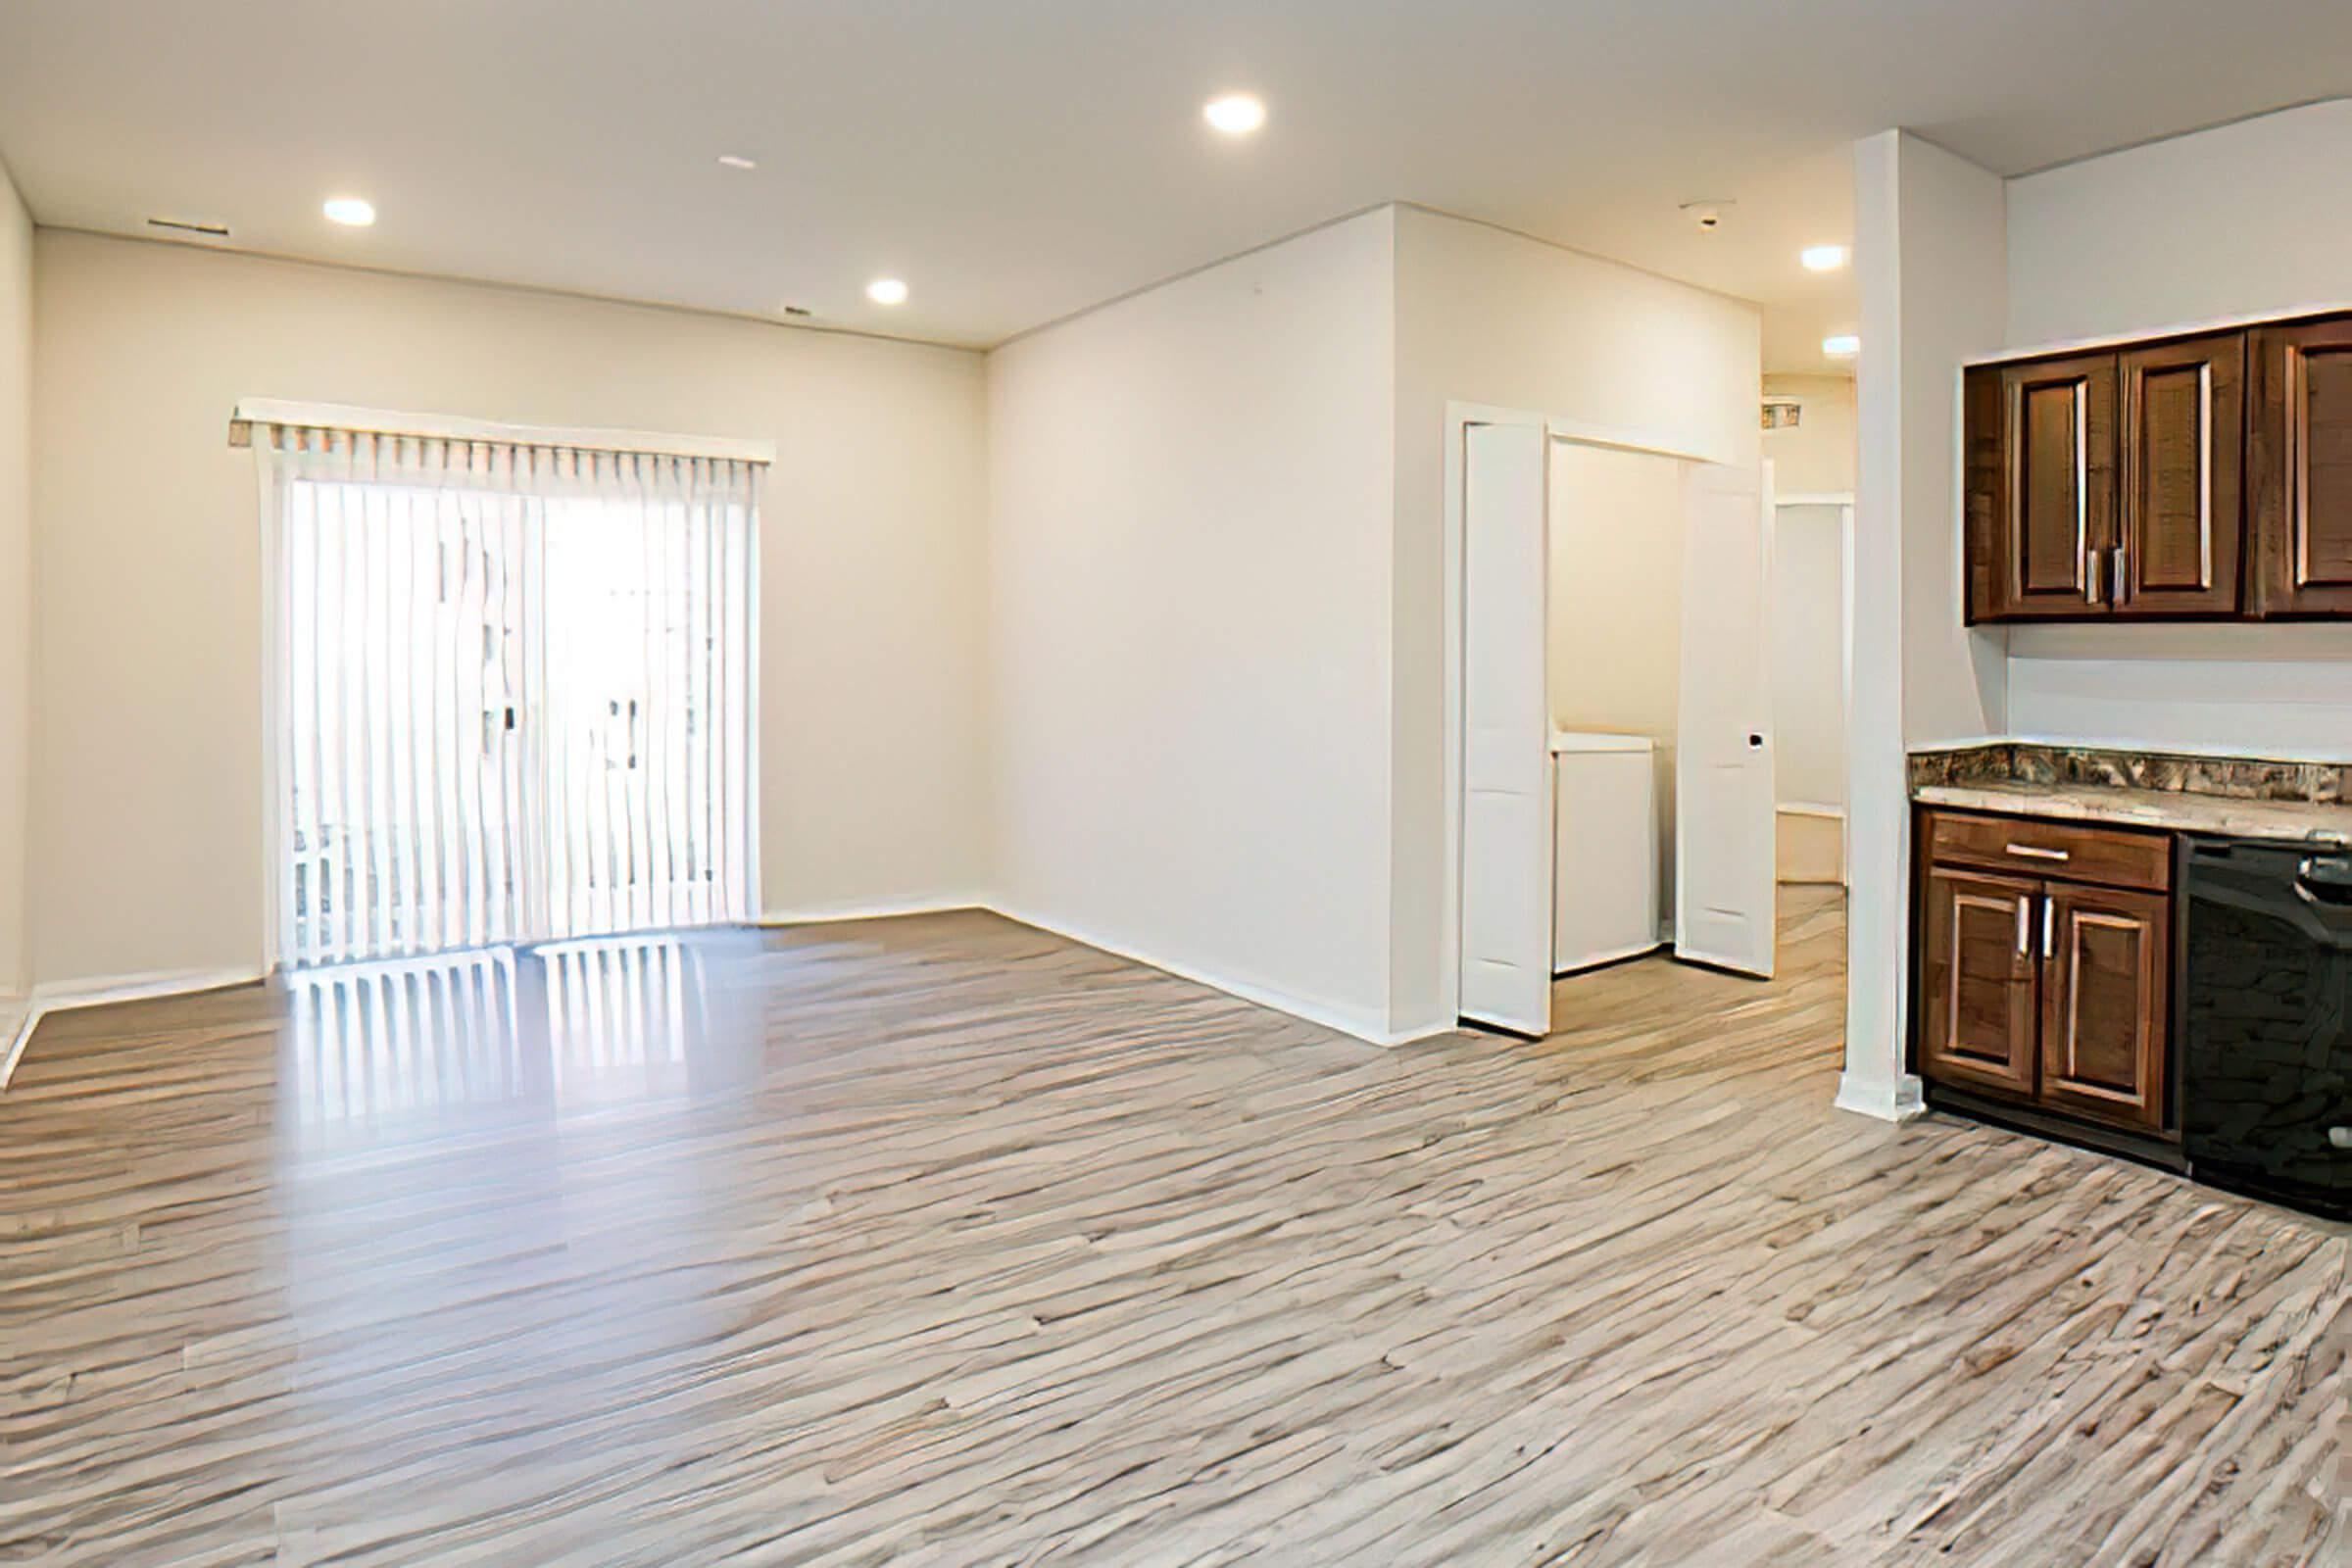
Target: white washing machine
(1605, 887)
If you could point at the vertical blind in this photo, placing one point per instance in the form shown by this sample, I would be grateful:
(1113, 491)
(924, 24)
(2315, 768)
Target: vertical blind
(514, 689)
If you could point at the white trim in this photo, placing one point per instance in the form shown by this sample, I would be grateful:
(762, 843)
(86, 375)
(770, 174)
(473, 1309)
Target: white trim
(2110, 340)
(884, 909)
(1458, 415)
(1815, 498)
(1372, 1031)
(1810, 809)
(1896, 1101)
(251, 411)
(69, 996)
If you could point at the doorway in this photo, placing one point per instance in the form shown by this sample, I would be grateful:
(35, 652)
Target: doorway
(1502, 784)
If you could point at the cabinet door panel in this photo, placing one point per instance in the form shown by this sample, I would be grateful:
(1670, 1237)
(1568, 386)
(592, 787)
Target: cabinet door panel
(1978, 1014)
(2182, 444)
(2054, 514)
(2106, 998)
(2300, 441)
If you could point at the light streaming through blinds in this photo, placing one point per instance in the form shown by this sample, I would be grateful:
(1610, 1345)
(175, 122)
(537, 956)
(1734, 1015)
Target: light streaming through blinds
(514, 692)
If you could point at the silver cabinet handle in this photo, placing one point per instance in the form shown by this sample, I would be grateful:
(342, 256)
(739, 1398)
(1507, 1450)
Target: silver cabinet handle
(2049, 927)
(2025, 926)
(2035, 853)
(2118, 586)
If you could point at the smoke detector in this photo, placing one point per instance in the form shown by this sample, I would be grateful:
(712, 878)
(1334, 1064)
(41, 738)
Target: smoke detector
(1708, 216)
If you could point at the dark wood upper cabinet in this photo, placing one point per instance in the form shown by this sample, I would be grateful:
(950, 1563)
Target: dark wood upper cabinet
(2178, 526)
(1980, 981)
(2299, 440)
(2047, 480)
(2205, 477)
(2104, 1004)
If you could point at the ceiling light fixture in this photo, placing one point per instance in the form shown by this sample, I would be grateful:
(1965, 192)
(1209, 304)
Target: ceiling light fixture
(737, 160)
(1844, 346)
(351, 211)
(886, 291)
(1236, 113)
(1822, 258)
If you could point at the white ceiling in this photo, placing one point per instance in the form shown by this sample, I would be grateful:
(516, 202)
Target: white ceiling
(1020, 160)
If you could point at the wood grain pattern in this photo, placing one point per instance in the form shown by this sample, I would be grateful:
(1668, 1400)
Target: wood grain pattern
(2054, 507)
(943, 1241)
(2299, 466)
(2032, 847)
(2182, 506)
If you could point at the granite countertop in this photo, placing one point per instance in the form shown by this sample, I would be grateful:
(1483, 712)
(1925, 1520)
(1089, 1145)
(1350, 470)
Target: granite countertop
(2177, 810)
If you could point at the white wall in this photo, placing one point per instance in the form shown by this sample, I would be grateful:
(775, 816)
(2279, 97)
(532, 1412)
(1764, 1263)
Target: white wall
(16, 587)
(1808, 656)
(1816, 456)
(1191, 517)
(1618, 523)
(2260, 691)
(1928, 253)
(2242, 219)
(2102, 246)
(147, 777)
(1484, 316)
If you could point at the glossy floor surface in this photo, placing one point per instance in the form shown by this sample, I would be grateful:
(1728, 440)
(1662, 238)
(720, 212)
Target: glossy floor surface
(942, 1241)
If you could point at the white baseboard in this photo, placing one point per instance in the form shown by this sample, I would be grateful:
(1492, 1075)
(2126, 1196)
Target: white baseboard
(826, 914)
(1373, 1031)
(66, 995)
(1896, 1101)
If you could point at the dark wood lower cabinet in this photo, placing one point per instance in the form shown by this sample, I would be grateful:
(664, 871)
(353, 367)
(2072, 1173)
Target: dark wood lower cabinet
(2042, 991)
(1980, 1017)
(2106, 1004)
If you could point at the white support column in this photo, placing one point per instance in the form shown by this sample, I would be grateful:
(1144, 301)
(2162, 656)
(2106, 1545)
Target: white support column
(1929, 256)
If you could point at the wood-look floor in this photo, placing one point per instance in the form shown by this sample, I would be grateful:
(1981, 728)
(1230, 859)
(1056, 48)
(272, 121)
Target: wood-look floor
(942, 1241)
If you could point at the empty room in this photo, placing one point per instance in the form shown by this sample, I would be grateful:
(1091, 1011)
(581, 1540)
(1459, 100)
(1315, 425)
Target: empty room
(868, 782)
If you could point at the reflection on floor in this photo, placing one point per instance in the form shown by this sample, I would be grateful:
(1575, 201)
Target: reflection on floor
(565, 1023)
(941, 1239)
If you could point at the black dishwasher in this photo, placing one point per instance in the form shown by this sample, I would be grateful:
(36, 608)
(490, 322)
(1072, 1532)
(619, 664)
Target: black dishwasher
(2265, 1021)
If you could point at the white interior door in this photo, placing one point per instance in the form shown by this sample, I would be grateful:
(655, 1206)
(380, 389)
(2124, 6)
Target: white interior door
(1506, 732)
(1724, 868)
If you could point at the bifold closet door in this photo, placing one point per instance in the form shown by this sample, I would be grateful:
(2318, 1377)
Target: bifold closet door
(1506, 732)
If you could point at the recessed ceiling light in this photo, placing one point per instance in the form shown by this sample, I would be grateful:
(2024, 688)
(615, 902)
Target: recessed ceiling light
(1236, 113)
(351, 211)
(1822, 258)
(886, 291)
(1844, 346)
(737, 160)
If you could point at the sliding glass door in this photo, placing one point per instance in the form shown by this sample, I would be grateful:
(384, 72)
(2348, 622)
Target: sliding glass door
(512, 691)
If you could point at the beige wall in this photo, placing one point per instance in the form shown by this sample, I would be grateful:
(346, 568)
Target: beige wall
(1190, 540)
(1484, 316)
(147, 781)
(1816, 456)
(16, 585)
(1618, 524)
(2099, 247)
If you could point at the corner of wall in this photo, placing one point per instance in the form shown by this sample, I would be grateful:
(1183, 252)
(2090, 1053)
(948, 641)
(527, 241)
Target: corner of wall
(15, 591)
